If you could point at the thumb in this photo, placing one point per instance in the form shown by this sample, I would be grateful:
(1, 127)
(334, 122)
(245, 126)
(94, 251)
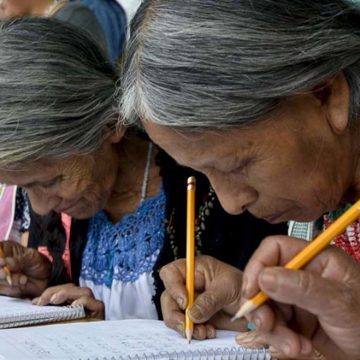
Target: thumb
(216, 297)
(304, 290)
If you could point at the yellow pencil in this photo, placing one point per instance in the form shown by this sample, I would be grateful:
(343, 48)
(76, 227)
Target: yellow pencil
(190, 253)
(307, 254)
(6, 269)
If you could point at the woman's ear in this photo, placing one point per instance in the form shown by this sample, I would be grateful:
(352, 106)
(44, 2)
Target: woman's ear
(335, 99)
(118, 134)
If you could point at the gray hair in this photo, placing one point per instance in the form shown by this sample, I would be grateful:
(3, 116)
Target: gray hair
(56, 92)
(211, 63)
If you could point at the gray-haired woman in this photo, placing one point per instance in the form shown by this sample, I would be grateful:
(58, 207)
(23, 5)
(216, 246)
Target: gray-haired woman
(113, 204)
(263, 97)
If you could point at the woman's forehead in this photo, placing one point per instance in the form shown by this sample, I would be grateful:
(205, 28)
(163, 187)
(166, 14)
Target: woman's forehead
(201, 147)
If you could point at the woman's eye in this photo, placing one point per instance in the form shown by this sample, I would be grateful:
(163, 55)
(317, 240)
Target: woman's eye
(243, 166)
(47, 185)
(50, 183)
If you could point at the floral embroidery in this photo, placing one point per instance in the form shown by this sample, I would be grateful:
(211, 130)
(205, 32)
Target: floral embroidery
(204, 211)
(349, 240)
(125, 250)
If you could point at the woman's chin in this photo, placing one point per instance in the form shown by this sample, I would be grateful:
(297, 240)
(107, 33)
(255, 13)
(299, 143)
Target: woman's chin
(81, 214)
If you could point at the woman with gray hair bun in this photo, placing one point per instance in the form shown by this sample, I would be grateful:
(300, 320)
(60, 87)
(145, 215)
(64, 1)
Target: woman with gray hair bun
(110, 206)
(263, 97)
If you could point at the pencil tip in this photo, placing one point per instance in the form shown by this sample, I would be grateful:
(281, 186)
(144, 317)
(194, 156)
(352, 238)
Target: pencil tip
(247, 307)
(8, 279)
(188, 334)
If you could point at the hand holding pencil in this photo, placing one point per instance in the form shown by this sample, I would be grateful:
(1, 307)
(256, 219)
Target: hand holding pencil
(314, 308)
(307, 254)
(317, 308)
(30, 271)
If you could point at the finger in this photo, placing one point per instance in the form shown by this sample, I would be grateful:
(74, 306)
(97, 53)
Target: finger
(173, 316)
(283, 339)
(263, 318)
(35, 264)
(223, 321)
(314, 355)
(222, 293)
(210, 331)
(173, 276)
(95, 308)
(71, 293)
(273, 250)
(45, 297)
(12, 264)
(17, 279)
(10, 291)
(309, 291)
(63, 294)
(30, 262)
(200, 332)
(306, 351)
(11, 248)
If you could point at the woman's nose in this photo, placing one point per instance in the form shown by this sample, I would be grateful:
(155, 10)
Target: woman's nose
(234, 198)
(42, 204)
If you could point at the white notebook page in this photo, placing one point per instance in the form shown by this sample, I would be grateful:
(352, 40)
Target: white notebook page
(103, 339)
(14, 310)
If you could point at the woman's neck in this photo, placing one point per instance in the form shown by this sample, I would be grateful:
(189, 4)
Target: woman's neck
(127, 191)
(353, 193)
(43, 8)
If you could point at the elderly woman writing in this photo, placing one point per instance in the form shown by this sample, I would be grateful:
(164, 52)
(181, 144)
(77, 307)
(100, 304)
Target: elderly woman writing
(263, 97)
(110, 207)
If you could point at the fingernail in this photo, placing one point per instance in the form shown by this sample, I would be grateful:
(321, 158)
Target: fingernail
(241, 336)
(53, 299)
(40, 301)
(244, 290)
(196, 313)
(307, 349)
(35, 301)
(23, 280)
(279, 353)
(286, 348)
(274, 352)
(212, 333)
(268, 281)
(246, 338)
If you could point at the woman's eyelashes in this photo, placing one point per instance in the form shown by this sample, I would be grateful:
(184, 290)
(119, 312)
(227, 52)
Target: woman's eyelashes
(50, 183)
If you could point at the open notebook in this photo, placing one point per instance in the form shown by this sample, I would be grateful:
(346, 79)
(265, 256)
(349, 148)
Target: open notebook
(19, 312)
(118, 340)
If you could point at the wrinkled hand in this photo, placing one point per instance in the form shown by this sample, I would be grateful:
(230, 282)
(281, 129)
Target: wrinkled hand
(314, 308)
(30, 270)
(218, 287)
(73, 295)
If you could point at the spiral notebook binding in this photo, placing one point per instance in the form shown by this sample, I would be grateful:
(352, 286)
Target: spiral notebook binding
(234, 353)
(23, 318)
